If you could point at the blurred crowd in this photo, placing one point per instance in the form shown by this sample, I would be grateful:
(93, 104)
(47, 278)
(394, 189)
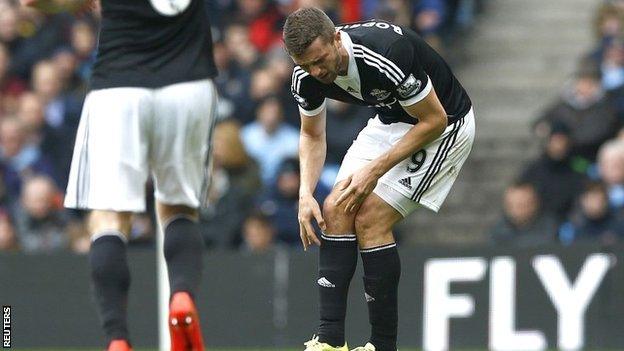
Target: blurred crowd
(45, 64)
(574, 190)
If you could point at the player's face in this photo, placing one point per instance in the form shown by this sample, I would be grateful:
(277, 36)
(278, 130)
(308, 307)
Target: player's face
(321, 59)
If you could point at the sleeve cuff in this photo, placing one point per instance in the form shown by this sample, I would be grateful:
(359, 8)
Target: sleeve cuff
(314, 112)
(416, 98)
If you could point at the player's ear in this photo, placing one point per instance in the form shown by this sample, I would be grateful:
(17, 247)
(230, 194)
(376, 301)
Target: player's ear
(337, 39)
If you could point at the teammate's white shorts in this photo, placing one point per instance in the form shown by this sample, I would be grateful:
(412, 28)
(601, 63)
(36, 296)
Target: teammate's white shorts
(126, 134)
(425, 178)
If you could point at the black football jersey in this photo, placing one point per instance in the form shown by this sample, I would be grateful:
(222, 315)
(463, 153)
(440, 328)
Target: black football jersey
(390, 66)
(152, 43)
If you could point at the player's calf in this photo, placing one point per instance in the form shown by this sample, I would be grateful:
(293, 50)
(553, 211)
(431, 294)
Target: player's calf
(183, 248)
(337, 263)
(382, 269)
(111, 281)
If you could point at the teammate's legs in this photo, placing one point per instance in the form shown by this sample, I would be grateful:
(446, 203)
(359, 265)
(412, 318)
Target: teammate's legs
(382, 268)
(183, 246)
(337, 263)
(109, 270)
(180, 143)
(183, 120)
(108, 173)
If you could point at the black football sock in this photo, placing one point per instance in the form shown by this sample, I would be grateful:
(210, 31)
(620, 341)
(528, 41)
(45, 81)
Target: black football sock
(111, 280)
(382, 270)
(337, 262)
(183, 248)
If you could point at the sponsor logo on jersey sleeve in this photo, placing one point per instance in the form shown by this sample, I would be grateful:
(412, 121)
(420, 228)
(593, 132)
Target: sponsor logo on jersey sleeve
(380, 94)
(408, 87)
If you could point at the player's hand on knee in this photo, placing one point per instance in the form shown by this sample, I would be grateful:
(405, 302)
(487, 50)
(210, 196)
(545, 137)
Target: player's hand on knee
(308, 209)
(356, 188)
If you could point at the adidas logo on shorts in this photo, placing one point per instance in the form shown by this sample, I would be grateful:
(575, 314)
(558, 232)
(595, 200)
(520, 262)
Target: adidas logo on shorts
(368, 297)
(325, 283)
(406, 182)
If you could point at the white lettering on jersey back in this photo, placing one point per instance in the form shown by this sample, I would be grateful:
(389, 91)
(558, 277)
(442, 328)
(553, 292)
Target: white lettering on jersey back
(381, 25)
(170, 7)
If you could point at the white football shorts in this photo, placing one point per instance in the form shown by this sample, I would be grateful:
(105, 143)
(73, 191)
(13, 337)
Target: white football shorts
(127, 134)
(425, 178)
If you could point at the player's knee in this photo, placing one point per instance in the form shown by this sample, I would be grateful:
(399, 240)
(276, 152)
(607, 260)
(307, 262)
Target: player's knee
(331, 212)
(338, 222)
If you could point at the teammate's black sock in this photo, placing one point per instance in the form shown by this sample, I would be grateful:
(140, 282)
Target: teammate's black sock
(337, 262)
(382, 269)
(183, 248)
(111, 280)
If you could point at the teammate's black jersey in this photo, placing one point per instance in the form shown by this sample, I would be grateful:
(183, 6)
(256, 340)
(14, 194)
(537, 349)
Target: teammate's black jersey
(152, 43)
(393, 67)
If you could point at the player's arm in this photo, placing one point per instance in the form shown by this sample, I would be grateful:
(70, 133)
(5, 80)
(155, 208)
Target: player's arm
(417, 96)
(414, 91)
(56, 6)
(432, 122)
(312, 152)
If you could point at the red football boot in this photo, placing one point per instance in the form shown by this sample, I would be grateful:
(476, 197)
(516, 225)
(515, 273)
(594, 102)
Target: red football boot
(184, 326)
(119, 345)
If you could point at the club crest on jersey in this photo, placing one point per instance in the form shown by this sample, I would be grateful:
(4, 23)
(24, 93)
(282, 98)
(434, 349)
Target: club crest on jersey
(410, 85)
(300, 100)
(170, 7)
(380, 94)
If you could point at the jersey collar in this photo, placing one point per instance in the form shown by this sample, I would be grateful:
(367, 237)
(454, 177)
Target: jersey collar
(352, 80)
